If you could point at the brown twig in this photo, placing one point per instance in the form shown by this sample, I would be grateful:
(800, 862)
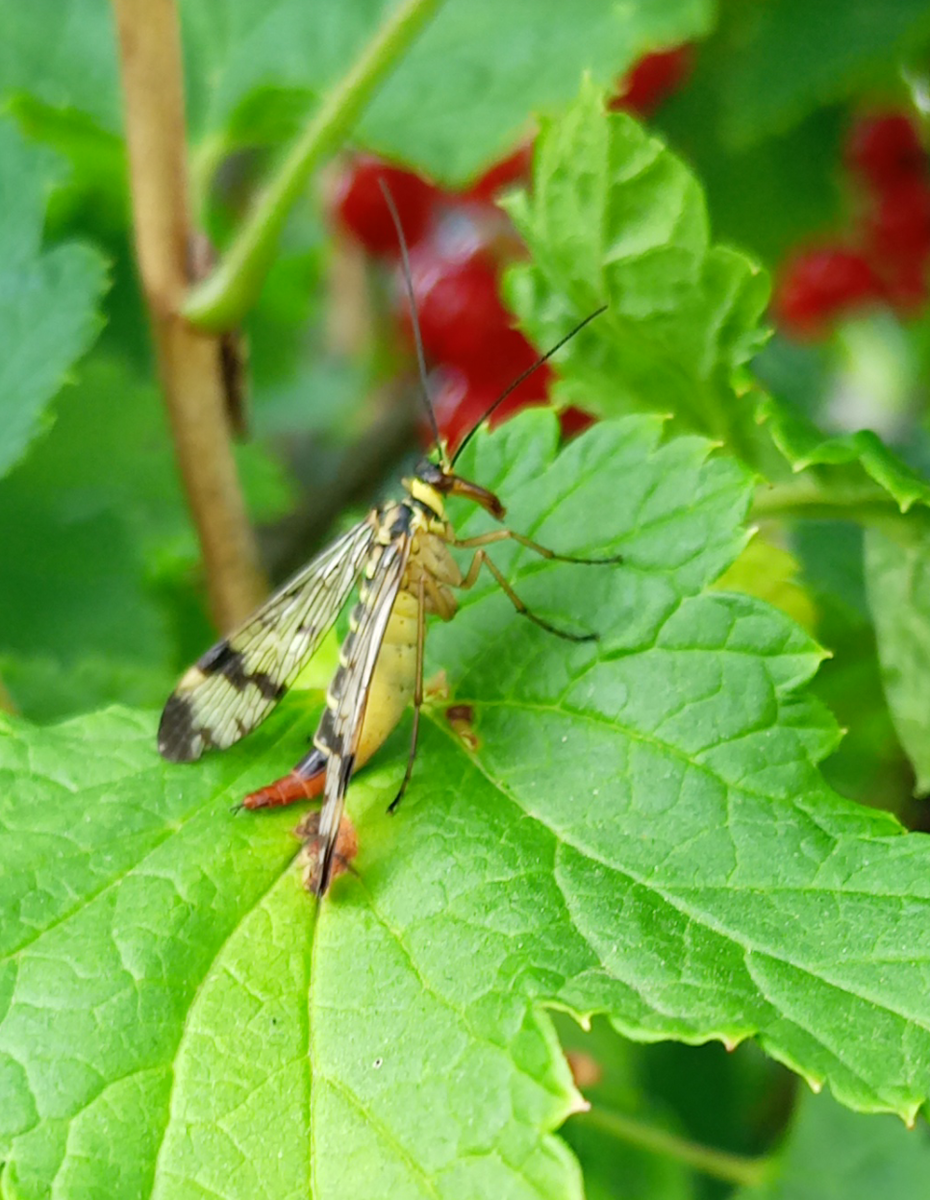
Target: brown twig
(189, 361)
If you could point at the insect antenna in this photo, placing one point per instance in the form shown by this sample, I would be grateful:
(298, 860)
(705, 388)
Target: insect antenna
(511, 387)
(411, 300)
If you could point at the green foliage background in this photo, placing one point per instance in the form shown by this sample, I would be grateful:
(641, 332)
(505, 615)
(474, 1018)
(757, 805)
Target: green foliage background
(663, 831)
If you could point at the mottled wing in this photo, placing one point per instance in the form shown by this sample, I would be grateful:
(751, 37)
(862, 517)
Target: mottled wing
(237, 683)
(347, 698)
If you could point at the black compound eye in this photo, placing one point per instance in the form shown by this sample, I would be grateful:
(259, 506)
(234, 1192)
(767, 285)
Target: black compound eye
(429, 473)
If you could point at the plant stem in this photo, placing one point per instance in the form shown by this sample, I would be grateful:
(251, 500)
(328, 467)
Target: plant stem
(806, 498)
(731, 1168)
(221, 300)
(7, 704)
(189, 361)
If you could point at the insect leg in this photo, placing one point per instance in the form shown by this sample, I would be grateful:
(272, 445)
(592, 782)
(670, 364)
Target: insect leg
(501, 535)
(303, 783)
(417, 695)
(481, 559)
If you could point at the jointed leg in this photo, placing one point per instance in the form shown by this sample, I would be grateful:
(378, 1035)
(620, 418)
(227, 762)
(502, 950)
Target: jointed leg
(417, 694)
(480, 559)
(502, 535)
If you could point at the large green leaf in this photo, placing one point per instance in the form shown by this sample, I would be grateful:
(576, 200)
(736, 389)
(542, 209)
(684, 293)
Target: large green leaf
(793, 56)
(898, 582)
(255, 68)
(642, 831)
(48, 298)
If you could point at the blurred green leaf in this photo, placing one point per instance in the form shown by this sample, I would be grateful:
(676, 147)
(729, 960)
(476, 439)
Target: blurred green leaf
(484, 65)
(48, 298)
(73, 69)
(853, 461)
(613, 1169)
(897, 571)
(49, 689)
(795, 56)
(643, 832)
(794, 190)
(833, 1154)
(868, 765)
(93, 524)
(255, 69)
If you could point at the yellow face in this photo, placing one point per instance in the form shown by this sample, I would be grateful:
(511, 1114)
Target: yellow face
(432, 499)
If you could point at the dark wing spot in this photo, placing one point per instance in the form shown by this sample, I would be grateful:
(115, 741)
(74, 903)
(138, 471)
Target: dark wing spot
(223, 660)
(345, 770)
(269, 688)
(178, 738)
(212, 662)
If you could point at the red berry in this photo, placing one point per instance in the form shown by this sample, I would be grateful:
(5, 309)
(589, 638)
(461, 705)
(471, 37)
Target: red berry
(504, 174)
(359, 205)
(817, 285)
(884, 148)
(574, 421)
(650, 80)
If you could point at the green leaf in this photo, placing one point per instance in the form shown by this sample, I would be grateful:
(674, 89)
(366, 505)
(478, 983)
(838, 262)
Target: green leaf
(48, 298)
(615, 217)
(642, 831)
(795, 56)
(833, 1154)
(852, 463)
(255, 69)
(898, 585)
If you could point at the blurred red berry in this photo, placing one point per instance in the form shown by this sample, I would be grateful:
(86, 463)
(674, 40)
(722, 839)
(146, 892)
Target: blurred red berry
(818, 285)
(573, 421)
(654, 77)
(906, 286)
(898, 227)
(359, 205)
(897, 240)
(884, 148)
(462, 402)
(462, 317)
(506, 173)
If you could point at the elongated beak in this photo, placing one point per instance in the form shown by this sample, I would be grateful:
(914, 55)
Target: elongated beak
(480, 495)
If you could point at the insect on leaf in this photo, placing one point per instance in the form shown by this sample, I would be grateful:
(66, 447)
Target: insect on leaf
(642, 831)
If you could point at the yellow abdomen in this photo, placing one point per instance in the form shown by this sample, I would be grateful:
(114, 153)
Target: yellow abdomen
(394, 678)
